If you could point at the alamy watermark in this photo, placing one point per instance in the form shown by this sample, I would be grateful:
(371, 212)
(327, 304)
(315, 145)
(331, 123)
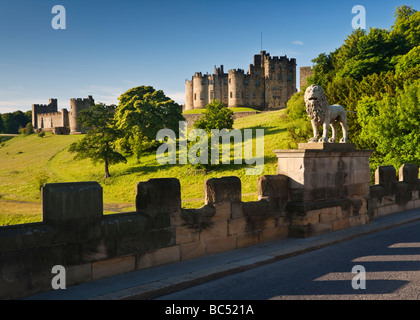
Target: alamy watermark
(59, 20)
(58, 281)
(199, 151)
(359, 280)
(359, 20)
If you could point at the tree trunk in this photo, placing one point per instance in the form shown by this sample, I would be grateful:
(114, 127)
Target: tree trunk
(107, 175)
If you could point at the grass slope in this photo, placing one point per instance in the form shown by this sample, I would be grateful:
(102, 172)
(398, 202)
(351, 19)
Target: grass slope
(26, 163)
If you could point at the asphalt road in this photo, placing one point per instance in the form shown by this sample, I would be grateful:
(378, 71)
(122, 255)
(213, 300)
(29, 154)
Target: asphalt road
(391, 259)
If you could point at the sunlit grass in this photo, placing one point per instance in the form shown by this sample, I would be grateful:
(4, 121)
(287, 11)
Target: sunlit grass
(26, 163)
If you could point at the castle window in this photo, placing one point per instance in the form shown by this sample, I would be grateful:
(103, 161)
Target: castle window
(237, 94)
(247, 95)
(202, 96)
(289, 78)
(231, 94)
(263, 95)
(202, 81)
(225, 96)
(246, 81)
(279, 77)
(272, 67)
(271, 77)
(224, 81)
(212, 95)
(230, 80)
(254, 95)
(195, 96)
(257, 82)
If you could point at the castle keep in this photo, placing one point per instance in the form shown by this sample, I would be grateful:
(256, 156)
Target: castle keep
(48, 118)
(268, 85)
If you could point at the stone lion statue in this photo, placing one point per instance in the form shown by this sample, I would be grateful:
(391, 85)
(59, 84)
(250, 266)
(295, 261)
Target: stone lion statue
(322, 113)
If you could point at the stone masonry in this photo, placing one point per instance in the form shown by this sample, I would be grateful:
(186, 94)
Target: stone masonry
(268, 85)
(48, 118)
(317, 190)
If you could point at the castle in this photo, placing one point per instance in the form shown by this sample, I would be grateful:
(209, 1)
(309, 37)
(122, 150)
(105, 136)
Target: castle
(268, 85)
(48, 118)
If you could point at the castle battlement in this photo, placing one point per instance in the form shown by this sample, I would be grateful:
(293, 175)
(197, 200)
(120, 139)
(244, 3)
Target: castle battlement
(257, 91)
(48, 118)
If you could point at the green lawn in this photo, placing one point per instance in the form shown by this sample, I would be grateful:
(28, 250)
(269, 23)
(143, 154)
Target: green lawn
(28, 162)
(239, 109)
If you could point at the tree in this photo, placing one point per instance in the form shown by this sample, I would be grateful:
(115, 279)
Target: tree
(1, 124)
(13, 121)
(215, 116)
(99, 142)
(29, 129)
(141, 113)
(391, 126)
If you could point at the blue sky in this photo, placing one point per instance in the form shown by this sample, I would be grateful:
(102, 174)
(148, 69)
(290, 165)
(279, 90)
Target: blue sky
(110, 46)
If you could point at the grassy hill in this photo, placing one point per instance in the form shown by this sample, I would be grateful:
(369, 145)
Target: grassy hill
(26, 163)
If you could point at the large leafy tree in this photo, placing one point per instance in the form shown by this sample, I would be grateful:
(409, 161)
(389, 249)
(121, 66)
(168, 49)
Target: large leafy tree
(1, 124)
(215, 116)
(99, 142)
(141, 113)
(391, 125)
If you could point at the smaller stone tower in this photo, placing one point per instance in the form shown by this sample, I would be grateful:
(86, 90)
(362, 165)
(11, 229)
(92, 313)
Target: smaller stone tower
(77, 105)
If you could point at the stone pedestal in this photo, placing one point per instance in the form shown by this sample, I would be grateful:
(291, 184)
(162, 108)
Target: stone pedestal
(328, 186)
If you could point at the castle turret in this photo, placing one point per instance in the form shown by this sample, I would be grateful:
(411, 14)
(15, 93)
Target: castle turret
(200, 90)
(236, 87)
(189, 102)
(77, 105)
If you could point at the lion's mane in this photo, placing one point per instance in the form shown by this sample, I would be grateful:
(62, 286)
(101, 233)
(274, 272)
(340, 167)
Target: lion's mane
(316, 109)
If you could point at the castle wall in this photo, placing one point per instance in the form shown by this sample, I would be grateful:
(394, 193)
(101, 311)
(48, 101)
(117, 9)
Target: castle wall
(77, 105)
(200, 90)
(236, 88)
(268, 85)
(189, 103)
(305, 73)
(37, 109)
(74, 232)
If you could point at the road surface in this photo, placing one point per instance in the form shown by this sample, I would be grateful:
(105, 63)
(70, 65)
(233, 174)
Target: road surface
(391, 259)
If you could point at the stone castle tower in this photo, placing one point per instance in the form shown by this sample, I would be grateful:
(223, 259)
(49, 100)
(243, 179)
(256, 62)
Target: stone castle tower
(48, 118)
(268, 85)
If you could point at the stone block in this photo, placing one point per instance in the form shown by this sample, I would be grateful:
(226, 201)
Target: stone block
(159, 257)
(156, 195)
(357, 220)
(237, 211)
(111, 267)
(323, 227)
(274, 234)
(226, 189)
(223, 211)
(385, 176)
(216, 245)
(310, 218)
(187, 235)
(192, 250)
(78, 201)
(78, 274)
(328, 214)
(236, 226)
(216, 229)
(340, 224)
(247, 239)
(409, 173)
(273, 188)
